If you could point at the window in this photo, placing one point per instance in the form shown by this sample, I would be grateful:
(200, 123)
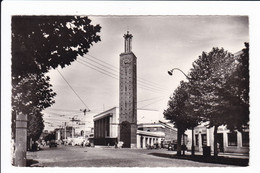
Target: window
(232, 139)
(204, 139)
(245, 139)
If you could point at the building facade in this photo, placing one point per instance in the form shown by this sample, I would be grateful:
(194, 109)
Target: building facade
(107, 129)
(158, 132)
(127, 96)
(228, 141)
(64, 133)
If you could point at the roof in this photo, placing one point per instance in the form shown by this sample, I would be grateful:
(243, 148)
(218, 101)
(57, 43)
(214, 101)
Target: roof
(157, 124)
(105, 111)
(155, 134)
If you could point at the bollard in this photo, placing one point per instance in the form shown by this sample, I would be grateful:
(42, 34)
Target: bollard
(21, 140)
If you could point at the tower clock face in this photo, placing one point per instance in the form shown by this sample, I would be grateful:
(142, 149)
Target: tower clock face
(126, 62)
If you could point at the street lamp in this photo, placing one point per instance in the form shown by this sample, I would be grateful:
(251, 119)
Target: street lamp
(192, 143)
(171, 71)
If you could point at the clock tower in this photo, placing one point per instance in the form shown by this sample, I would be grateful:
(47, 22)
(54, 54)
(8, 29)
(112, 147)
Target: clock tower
(128, 95)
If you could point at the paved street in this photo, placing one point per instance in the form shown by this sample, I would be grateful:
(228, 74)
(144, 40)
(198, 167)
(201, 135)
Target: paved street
(75, 156)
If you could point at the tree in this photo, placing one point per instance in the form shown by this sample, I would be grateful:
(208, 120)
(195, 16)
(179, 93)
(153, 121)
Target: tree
(236, 91)
(216, 90)
(30, 96)
(35, 126)
(40, 43)
(179, 112)
(43, 42)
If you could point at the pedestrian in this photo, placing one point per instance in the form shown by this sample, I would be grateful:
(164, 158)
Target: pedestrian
(82, 144)
(218, 149)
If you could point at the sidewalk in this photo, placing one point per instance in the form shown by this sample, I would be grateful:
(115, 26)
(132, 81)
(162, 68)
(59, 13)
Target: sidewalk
(230, 155)
(222, 158)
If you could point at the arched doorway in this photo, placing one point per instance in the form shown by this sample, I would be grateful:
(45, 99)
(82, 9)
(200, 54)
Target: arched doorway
(125, 133)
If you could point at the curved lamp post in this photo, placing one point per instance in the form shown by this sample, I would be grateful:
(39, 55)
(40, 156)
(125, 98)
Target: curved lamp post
(170, 73)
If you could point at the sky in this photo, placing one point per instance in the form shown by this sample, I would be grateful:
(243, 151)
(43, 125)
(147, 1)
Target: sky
(160, 43)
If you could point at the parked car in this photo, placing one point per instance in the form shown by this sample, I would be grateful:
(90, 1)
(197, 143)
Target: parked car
(53, 143)
(172, 147)
(87, 144)
(36, 147)
(156, 146)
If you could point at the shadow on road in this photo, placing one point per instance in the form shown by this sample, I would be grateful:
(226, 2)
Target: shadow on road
(30, 162)
(209, 159)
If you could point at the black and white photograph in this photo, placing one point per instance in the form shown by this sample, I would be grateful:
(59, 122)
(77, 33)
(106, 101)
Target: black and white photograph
(129, 90)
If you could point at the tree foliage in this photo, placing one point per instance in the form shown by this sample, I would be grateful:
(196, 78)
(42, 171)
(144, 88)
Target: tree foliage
(35, 125)
(31, 95)
(41, 43)
(221, 84)
(179, 108)
(180, 112)
(236, 91)
(210, 72)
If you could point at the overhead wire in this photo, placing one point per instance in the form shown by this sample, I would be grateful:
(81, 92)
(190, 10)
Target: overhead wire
(116, 76)
(153, 84)
(152, 103)
(97, 70)
(116, 69)
(100, 68)
(149, 99)
(73, 90)
(106, 66)
(62, 109)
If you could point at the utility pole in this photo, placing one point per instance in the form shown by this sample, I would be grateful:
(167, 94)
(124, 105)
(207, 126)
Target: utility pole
(85, 120)
(65, 131)
(72, 132)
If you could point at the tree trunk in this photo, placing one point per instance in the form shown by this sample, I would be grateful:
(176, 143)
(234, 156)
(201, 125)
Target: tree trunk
(30, 144)
(215, 141)
(179, 134)
(183, 144)
(192, 142)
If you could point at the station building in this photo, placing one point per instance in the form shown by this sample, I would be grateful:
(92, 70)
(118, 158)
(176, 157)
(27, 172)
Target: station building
(149, 130)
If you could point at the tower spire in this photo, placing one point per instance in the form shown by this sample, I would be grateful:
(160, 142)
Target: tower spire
(128, 42)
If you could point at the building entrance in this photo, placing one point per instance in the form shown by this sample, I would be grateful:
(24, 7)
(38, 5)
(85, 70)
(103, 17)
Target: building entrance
(220, 141)
(125, 134)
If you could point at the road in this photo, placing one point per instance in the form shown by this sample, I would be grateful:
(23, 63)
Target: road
(75, 156)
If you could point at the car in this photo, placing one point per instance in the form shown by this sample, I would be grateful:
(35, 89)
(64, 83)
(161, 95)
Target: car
(172, 147)
(36, 147)
(52, 144)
